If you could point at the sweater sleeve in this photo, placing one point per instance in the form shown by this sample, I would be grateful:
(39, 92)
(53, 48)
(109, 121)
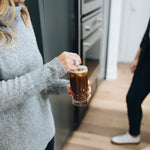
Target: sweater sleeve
(58, 87)
(21, 88)
(145, 37)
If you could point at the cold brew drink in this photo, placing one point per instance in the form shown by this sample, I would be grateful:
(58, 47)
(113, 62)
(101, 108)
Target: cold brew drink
(79, 85)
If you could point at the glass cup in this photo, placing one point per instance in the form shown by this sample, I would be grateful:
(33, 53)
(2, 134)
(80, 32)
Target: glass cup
(79, 85)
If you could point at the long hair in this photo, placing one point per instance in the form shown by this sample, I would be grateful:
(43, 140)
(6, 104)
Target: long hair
(4, 8)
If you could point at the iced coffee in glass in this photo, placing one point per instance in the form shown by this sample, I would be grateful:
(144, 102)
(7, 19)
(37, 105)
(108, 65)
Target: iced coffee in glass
(79, 85)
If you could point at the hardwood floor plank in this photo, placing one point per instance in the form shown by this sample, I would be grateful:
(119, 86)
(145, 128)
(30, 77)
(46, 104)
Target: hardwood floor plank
(79, 147)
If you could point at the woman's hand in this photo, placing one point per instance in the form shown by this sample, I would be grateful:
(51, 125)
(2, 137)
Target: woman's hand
(134, 65)
(70, 61)
(70, 92)
(89, 89)
(135, 61)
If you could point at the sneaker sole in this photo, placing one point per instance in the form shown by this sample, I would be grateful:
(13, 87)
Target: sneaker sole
(124, 143)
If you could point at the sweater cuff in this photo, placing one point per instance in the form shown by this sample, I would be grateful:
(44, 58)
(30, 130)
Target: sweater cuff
(58, 66)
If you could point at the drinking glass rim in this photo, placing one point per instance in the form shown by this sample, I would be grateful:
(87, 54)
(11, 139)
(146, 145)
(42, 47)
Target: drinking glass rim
(80, 67)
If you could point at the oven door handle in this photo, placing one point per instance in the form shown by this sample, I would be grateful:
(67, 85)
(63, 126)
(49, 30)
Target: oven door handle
(99, 20)
(89, 42)
(87, 28)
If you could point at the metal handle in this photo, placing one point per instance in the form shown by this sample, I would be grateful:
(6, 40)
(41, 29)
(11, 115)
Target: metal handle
(99, 20)
(87, 44)
(87, 28)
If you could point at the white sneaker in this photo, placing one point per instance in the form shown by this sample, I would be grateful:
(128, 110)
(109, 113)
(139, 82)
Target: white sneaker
(125, 139)
(146, 148)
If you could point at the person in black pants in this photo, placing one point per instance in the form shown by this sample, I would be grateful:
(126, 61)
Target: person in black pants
(139, 89)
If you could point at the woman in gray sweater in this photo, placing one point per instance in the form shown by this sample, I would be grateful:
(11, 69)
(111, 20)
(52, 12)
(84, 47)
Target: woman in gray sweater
(26, 121)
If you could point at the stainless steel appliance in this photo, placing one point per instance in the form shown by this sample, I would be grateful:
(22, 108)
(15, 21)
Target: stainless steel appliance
(90, 27)
(90, 37)
(90, 23)
(90, 5)
(91, 42)
(90, 16)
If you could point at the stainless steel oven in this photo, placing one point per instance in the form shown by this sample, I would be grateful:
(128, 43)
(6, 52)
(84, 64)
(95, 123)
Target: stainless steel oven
(91, 54)
(90, 23)
(91, 35)
(90, 5)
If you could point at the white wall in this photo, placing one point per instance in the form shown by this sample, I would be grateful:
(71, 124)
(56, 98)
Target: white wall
(135, 15)
(114, 38)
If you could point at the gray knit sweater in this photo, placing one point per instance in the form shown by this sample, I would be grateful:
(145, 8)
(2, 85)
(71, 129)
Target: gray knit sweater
(26, 121)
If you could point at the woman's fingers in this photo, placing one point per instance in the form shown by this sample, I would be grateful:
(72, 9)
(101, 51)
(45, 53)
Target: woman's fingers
(89, 89)
(69, 89)
(132, 68)
(70, 61)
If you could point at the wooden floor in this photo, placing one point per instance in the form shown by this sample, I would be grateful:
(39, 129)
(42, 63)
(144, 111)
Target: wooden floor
(107, 117)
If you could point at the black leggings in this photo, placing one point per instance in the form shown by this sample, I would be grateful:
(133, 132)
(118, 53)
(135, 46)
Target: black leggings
(50, 145)
(139, 89)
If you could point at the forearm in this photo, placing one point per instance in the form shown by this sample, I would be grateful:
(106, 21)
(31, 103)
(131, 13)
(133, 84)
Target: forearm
(58, 87)
(21, 88)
